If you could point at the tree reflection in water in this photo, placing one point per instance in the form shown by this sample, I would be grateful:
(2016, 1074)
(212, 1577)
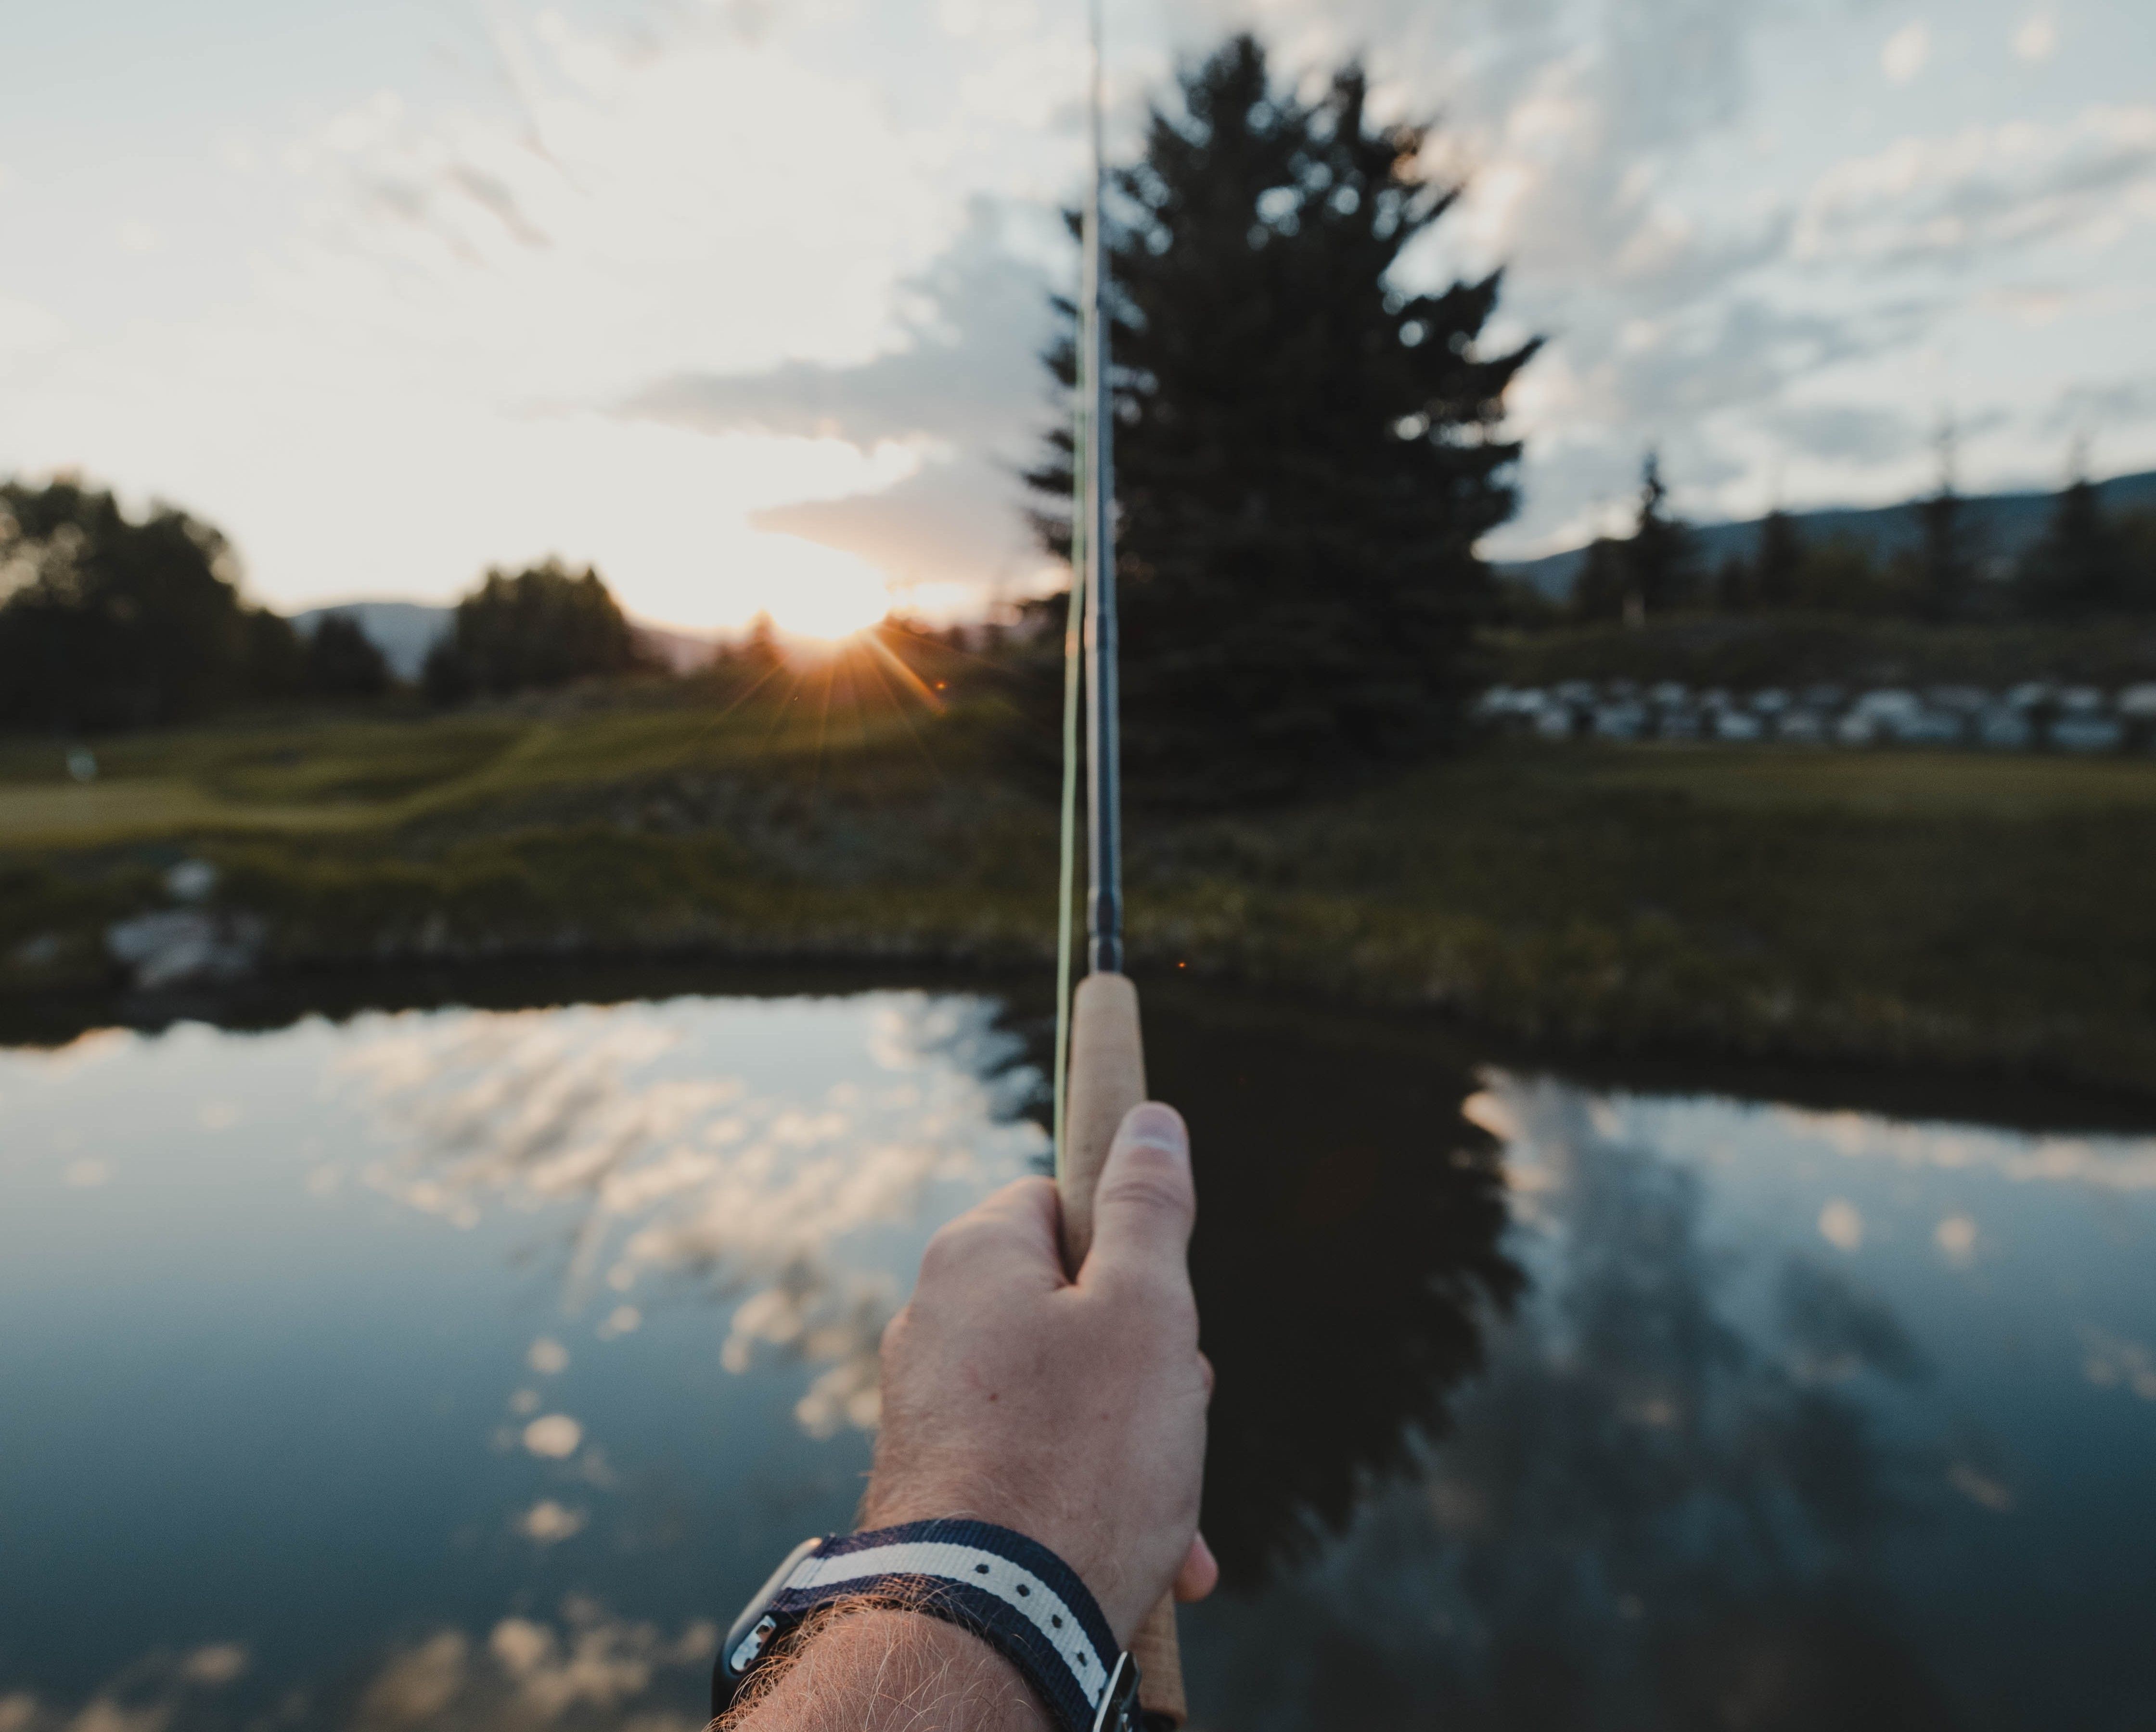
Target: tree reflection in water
(1348, 1246)
(1636, 1518)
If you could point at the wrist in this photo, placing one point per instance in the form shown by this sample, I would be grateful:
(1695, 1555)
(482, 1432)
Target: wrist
(1001, 1586)
(867, 1666)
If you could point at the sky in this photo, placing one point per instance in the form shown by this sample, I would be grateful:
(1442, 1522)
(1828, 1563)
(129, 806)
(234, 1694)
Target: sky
(741, 300)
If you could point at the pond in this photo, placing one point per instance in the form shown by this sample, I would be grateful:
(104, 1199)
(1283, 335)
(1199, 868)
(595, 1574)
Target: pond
(456, 1367)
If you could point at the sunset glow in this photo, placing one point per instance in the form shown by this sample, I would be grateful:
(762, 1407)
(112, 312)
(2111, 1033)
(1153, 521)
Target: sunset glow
(819, 593)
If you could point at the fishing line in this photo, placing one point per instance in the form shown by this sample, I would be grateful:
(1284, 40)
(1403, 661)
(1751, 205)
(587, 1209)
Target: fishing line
(1088, 525)
(1066, 880)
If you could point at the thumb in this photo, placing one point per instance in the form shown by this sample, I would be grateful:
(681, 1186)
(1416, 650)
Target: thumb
(1146, 1202)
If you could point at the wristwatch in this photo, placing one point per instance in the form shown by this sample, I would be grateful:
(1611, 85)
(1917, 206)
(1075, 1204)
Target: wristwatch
(1013, 1592)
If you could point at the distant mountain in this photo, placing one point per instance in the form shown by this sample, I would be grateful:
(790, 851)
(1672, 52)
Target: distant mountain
(2001, 524)
(402, 631)
(684, 652)
(405, 631)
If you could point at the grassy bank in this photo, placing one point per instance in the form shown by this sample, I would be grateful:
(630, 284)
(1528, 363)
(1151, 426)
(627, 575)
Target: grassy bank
(1748, 652)
(1992, 914)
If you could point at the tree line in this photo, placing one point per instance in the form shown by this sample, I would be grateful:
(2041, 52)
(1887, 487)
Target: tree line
(2090, 564)
(111, 621)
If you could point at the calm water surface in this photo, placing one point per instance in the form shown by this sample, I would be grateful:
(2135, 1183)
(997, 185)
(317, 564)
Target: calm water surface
(463, 1368)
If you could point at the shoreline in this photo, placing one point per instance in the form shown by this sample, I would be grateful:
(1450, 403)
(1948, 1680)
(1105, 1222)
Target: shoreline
(1892, 910)
(2034, 1098)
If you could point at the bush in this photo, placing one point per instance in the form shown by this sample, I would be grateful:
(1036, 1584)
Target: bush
(539, 628)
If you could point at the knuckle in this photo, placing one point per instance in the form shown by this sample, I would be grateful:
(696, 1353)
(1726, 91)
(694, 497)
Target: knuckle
(947, 1248)
(1154, 1185)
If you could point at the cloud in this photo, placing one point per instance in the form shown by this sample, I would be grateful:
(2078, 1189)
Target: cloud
(555, 1435)
(1841, 1225)
(963, 385)
(2037, 39)
(965, 366)
(1568, 125)
(956, 522)
(654, 295)
(691, 1176)
(2081, 407)
(584, 1670)
(1948, 200)
(1906, 52)
(1744, 351)
(27, 328)
(217, 1664)
(1852, 433)
(547, 1523)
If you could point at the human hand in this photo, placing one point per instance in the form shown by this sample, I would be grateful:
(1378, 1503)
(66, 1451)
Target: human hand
(1071, 1411)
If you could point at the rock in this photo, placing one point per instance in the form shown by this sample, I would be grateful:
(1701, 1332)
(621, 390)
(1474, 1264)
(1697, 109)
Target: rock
(191, 881)
(41, 951)
(183, 945)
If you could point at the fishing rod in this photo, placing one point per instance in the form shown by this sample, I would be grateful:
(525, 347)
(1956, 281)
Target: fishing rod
(1099, 1049)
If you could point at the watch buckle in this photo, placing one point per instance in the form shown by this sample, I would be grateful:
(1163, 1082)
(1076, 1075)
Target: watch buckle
(1119, 1700)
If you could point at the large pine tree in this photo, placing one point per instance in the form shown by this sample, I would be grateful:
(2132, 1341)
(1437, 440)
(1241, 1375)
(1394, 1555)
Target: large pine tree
(1307, 449)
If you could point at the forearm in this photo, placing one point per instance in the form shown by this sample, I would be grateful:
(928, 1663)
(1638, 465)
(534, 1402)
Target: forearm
(872, 1670)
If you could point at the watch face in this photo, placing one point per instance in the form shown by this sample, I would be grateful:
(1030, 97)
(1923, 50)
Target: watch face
(750, 1638)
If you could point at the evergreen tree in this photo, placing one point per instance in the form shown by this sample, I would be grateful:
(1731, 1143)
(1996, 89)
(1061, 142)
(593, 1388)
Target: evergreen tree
(1945, 564)
(1599, 592)
(748, 664)
(1778, 567)
(540, 627)
(1662, 558)
(1307, 450)
(342, 661)
(273, 660)
(1841, 574)
(2078, 569)
(2135, 530)
(1736, 585)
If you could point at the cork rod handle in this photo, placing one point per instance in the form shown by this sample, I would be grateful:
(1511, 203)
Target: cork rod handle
(1106, 1080)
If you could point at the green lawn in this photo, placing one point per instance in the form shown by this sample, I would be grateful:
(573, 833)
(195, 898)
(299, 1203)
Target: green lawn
(1992, 912)
(1886, 784)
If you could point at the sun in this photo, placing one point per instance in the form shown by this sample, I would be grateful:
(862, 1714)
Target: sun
(819, 592)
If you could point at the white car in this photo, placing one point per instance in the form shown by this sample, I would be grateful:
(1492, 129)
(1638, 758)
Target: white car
(2082, 732)
(2003, 728)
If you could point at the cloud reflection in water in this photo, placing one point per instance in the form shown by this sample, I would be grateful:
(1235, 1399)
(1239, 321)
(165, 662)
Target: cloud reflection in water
(1641, 1513)
(682, 1166)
